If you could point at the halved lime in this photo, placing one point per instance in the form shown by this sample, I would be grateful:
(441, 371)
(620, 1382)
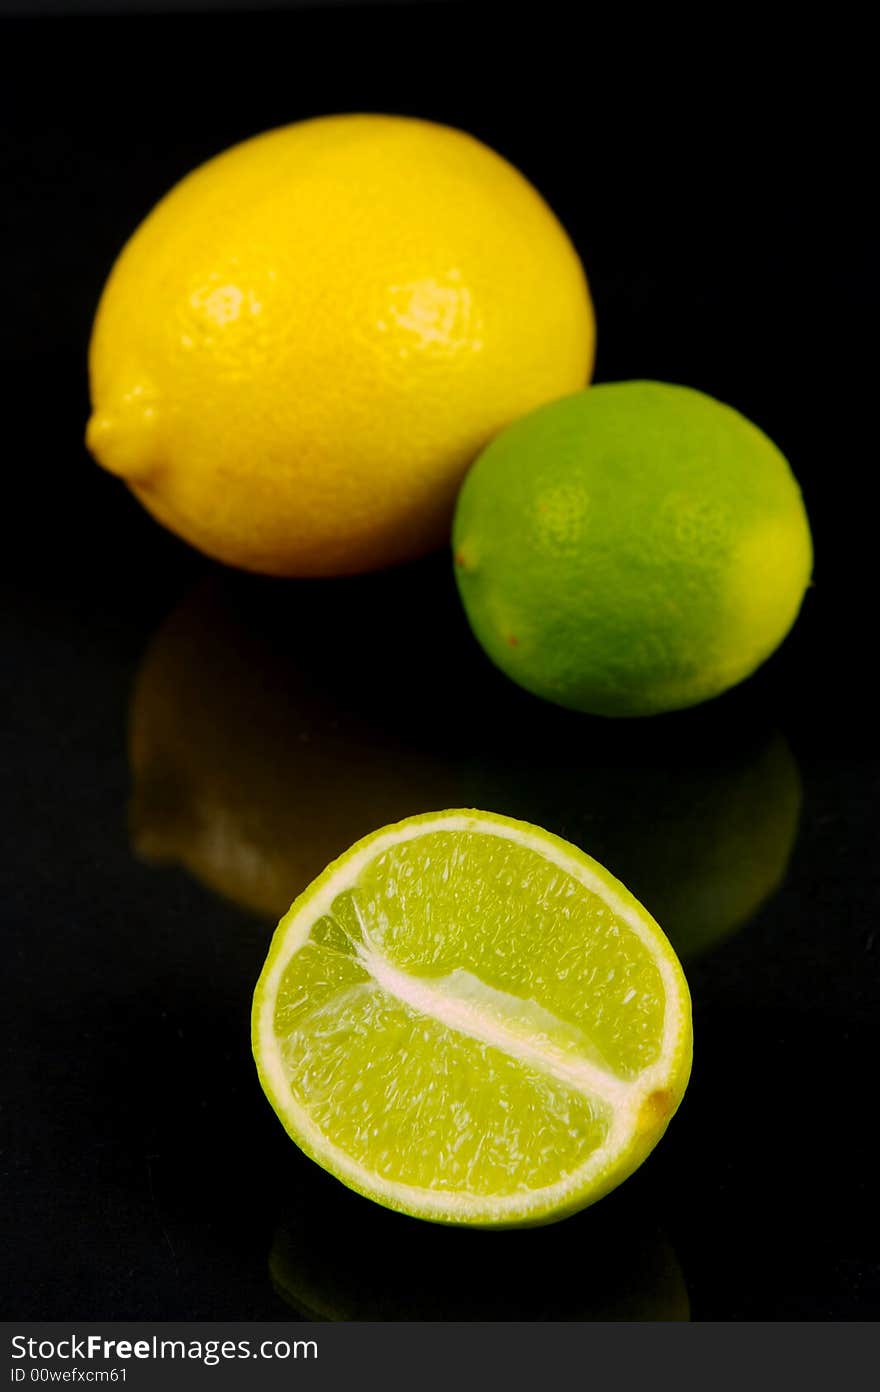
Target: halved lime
(469, 1020)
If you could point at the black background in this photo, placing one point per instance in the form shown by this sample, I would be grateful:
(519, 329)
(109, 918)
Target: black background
(716, 184)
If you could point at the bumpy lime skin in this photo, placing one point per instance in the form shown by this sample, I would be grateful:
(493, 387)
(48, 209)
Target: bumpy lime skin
(631, 549)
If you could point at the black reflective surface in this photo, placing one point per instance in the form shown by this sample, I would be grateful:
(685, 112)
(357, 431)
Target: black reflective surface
(185, 747)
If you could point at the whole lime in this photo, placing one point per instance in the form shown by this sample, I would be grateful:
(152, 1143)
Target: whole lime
(631, 549)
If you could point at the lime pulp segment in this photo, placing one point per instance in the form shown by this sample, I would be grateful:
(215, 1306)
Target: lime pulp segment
(470, 1020)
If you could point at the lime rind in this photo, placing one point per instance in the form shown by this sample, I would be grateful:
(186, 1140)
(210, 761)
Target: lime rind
(631, 549)
(638, 1109)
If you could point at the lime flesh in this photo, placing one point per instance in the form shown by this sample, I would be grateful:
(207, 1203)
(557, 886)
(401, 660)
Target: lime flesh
(468, 1019)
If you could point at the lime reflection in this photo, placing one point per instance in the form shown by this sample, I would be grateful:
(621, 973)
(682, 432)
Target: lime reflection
(271, 725)
(344, 1258)
(701, 831)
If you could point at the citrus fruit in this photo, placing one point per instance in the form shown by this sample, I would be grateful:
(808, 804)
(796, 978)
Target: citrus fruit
(631, 549)
(306, 342)
(469, 1020)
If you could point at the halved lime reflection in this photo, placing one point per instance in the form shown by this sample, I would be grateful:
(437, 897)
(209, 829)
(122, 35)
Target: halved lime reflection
(273, 725)
(341, 1258)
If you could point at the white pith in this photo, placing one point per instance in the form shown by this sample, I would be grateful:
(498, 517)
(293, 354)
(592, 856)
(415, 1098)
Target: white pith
(623, 1097)
(430, 999)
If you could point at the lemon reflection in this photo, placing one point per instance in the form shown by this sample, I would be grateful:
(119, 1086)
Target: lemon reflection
(345, 1259)
(252, 763)
(271, 726)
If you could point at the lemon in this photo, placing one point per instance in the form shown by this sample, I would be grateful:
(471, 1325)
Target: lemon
(306, 342)
(631, 549)
(469, 1020)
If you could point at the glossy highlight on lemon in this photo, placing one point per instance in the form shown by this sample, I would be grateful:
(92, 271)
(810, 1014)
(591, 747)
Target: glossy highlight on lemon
(631, 549)
(304, 345)
(471, 1021)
